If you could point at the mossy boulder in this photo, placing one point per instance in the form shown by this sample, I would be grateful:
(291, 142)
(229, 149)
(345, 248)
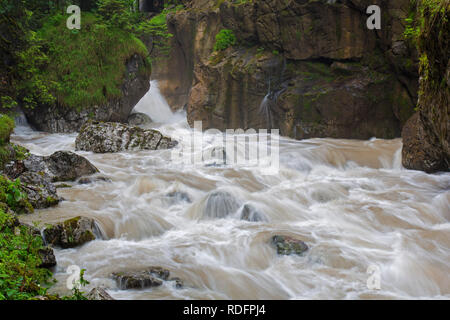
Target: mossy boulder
(71, 233)
(287, 245)
(103, 137)
(40, 191)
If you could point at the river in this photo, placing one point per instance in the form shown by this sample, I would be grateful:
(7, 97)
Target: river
(351, 201)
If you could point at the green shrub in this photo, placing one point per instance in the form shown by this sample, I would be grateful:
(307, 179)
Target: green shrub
(11, 193)
(6, 128)
(20, 275)
(224, 39)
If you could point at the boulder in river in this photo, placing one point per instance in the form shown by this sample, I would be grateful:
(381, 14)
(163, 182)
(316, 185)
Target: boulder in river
(40, 191)
(220, 204)
(103, 137)
(71, 233)
(151, 277)
(60, 166)
(37, 173)
(178, 196)
(99, 294)
(139, 119)
(287, 245)
(251, 214)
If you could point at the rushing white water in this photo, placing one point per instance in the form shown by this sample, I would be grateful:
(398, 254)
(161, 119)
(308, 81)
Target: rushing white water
(154, 105)
(350, 201)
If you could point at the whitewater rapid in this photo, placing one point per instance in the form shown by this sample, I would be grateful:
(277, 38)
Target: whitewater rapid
(350, 201)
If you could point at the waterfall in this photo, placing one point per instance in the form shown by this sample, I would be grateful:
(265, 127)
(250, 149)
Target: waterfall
(270, 99)
(20, 119)
(155, 106)
(268, 103)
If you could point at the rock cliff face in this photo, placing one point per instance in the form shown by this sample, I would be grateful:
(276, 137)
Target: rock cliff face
(426, 137)
(318, 68)
(54, 118)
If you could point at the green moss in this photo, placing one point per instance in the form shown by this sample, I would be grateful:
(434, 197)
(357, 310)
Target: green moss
(6, 128)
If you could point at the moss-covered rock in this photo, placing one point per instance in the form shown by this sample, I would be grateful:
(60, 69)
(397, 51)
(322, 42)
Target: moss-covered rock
(102, 137)
(71, 233)
(288, 245)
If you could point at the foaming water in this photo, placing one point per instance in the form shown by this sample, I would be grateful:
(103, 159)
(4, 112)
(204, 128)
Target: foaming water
(350, 201)
(154, 105)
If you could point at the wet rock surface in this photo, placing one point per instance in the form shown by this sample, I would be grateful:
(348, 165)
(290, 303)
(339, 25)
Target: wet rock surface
(251, 214)
(220, 204)
(99, 294)
(92, 179)
(37, 173)
(426, 137)
(47, 257)
(178, 196)
(139, 119)
(71, 233)
(418, 152)
(287, 245)
(151, 277)
(104, 137)
(40, 191)
(322, 72)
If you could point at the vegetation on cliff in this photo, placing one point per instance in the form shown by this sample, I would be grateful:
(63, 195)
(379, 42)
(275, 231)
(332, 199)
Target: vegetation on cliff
(43, 62)
(427, 135)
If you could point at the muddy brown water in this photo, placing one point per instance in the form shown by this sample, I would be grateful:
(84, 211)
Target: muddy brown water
(350, 201)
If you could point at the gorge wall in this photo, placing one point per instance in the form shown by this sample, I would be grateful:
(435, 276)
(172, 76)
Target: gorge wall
(320, 71)
(426, 136)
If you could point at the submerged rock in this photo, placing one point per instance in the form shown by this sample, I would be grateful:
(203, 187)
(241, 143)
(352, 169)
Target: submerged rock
(71, 233)
(139, 119)
(99, 294)
(87, 180)
(178, 282)
(102, 137)
(249, 213)
(178, 196)
(151, 277)
(288, 245)
(220, 204)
